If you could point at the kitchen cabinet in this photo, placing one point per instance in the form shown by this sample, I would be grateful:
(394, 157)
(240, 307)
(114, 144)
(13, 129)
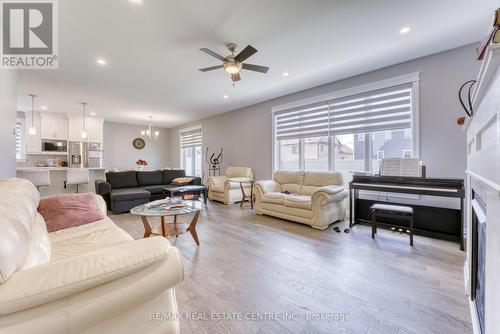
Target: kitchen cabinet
(33, 142)
(93, 125)
(54, 127)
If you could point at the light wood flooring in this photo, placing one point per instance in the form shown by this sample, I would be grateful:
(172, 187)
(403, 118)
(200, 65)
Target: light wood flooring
(248, 263)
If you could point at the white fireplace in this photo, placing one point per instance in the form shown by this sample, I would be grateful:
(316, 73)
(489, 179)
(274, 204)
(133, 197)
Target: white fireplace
(482, 267)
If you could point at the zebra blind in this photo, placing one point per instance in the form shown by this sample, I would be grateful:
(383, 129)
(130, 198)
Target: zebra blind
(191, 138)
(383, 109)
(18, 140)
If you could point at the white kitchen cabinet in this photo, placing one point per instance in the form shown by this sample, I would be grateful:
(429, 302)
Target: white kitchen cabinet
(33, 142)
(93, 125)
(54, 127)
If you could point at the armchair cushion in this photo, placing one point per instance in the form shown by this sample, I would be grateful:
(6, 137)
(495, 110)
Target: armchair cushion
(239, 172)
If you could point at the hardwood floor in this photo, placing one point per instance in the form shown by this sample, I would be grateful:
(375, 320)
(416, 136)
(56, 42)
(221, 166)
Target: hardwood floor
(248, 263)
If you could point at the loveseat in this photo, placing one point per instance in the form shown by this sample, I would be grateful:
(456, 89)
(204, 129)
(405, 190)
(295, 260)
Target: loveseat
(317, 199)
(226, 188)
(92, 278)
(124, 190)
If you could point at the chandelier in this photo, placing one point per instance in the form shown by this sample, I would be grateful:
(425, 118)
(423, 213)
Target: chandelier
(150, 133)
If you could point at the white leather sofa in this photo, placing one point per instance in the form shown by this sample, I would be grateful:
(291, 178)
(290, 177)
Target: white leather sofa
(317, 199)
(226, 188)
(92, 278)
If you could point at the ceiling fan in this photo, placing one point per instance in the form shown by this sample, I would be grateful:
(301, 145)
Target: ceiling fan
(234, 64)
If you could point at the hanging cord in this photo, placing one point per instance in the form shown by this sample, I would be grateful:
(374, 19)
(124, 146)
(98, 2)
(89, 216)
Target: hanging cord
(468, 110)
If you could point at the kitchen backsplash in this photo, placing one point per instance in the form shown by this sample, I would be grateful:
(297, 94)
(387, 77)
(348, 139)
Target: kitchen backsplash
(32, 160)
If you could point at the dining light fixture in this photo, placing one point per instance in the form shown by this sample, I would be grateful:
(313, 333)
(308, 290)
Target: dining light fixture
(84, 134)
(32, 129)
(150, 133)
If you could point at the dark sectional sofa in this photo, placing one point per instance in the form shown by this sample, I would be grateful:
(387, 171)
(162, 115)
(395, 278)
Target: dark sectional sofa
(124, 190)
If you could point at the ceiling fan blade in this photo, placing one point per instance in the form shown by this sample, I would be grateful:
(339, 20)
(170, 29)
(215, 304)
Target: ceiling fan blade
(245, 53)
(206, 69)
(235, 77)
(213, 54)
(256, 68)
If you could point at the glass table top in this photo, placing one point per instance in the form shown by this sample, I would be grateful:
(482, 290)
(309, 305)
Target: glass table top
(190, 207)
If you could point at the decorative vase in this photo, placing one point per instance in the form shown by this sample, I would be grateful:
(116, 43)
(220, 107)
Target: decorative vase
(139, 168)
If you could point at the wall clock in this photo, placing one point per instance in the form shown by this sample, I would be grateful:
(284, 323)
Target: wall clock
(139, 143)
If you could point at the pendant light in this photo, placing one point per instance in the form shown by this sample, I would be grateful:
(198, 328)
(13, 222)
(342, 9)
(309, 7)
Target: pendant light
(32, 129)
(83, 134)
(150, 133)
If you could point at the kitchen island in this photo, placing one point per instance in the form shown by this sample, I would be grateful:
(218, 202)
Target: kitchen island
(58, 176)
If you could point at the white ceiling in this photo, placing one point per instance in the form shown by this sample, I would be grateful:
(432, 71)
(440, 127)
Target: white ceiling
(153, 57)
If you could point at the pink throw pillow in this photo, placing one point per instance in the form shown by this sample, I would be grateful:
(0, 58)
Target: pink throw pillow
(70, 210)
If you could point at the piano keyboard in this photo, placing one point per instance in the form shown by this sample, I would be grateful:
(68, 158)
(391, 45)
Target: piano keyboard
(391, 186)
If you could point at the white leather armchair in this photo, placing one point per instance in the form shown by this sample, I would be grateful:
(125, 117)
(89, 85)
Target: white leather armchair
(312, 198)
(96, 279)
(226, 188)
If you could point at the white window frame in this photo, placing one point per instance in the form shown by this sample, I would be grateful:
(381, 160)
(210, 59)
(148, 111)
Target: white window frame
(361, 137)
(406, 151)
(411, 78)
(181, 155)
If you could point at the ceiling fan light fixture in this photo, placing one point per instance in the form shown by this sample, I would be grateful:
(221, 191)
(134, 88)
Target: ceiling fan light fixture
(232, 67)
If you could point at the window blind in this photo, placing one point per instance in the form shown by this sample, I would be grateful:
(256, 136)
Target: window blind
(191, 138)
(383, 109)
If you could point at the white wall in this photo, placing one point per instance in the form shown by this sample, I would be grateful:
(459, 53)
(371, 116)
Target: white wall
(119, 152)
(246, 134)
(8, 114)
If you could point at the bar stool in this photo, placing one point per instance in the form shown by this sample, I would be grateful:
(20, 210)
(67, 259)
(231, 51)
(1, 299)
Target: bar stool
(76, 177)
(392, 211)
(39, 178)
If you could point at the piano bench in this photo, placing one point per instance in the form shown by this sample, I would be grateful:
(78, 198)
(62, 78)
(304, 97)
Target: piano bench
(391, 211)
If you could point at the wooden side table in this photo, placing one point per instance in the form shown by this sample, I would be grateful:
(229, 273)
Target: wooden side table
(244, 196)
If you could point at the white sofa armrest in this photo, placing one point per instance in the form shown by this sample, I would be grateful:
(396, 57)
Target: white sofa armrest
(59, 279)
(267, 186)
(329, 194)
(101, 204)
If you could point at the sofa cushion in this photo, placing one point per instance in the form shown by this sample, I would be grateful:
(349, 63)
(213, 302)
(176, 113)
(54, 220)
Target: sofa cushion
(217, 187)
(86, 238)
(274, 198)
(69, 210)
(307, 190)
(40, 248)
(18, 210)
(288, 176)
(122, 179)
(155, 190)
(320, 179)
(150, 178)
(300, 202)
(170, 174)
(126, 194)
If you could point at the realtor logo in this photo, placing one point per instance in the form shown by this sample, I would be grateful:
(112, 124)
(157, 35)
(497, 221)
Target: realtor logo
(29, 34)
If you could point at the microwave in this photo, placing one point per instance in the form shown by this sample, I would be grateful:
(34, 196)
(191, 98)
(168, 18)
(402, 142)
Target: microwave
(54, 145)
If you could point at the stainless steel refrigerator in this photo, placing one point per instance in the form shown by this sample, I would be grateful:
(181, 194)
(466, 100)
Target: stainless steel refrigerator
(85, 155)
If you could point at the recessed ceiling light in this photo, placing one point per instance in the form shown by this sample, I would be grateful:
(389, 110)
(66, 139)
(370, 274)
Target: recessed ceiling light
(92, 114)
(43, 107)
(285, 74)
(404, 30)
(101, 61)
(138, 2)
(226, 97)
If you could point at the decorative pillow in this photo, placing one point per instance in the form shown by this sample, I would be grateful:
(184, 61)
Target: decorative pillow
(65, 211)
(182, 180)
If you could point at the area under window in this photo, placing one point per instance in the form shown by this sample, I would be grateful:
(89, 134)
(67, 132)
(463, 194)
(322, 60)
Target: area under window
(191, 154)
(347, 134)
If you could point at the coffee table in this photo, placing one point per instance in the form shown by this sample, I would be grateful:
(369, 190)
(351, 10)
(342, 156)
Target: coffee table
(169, 229)
(188, 189)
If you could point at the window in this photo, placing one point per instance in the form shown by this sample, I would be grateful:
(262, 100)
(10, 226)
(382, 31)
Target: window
(20, 140)
(350, 132)
(191, 154)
